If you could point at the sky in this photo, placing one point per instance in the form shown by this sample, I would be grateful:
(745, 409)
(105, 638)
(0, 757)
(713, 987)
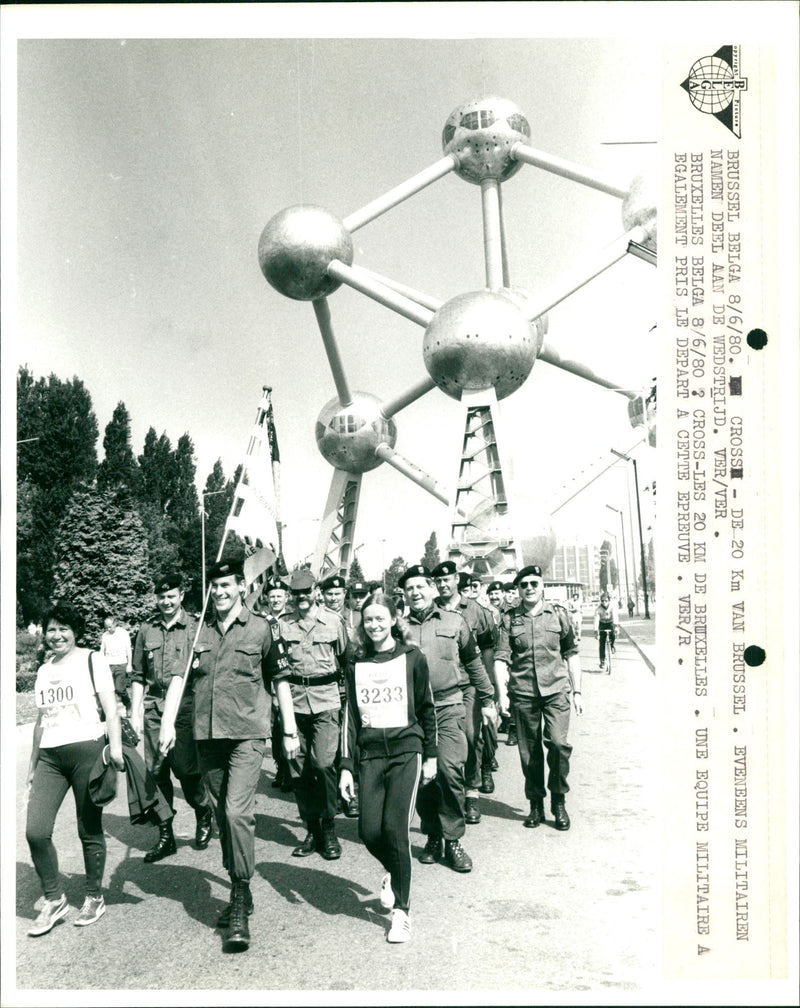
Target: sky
(147, 169)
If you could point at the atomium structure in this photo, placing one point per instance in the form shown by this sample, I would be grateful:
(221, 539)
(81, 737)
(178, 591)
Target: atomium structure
(477, 348)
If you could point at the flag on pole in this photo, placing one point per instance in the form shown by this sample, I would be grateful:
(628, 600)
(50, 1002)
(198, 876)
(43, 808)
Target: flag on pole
(254, 512)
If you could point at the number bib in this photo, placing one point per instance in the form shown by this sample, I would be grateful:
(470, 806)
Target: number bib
(59, 704)
(382, 693)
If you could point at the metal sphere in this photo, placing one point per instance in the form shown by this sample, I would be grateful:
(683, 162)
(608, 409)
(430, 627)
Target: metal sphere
(640, 207)
(480, 135)
(296, 248)
(538, 549)
(479, 340)
(347, 436)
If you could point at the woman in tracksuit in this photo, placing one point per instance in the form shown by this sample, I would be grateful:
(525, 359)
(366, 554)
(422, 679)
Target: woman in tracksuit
(389, 714)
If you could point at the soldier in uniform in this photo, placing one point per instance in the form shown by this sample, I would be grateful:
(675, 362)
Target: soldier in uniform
(235, 658)
(537, 644)
(333, 591)
(275, 595)
(162, 649)
(448, 584)
(356, 594)
(448, 645)
(333, 595)
(316, 641)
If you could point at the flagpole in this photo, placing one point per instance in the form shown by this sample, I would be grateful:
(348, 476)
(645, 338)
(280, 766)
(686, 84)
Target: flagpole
(261, 416)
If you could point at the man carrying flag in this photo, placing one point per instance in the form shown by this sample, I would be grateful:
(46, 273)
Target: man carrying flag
(235, 657)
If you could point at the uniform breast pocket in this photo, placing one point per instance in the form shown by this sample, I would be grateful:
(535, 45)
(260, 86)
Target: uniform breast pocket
(518, 641)
(200, 661)
(152, 651)
(248, 659)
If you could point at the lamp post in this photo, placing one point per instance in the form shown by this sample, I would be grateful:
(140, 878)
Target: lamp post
(206, 493)
(627, 458)
(624, 550)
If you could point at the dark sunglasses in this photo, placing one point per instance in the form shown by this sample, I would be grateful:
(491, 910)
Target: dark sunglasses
(301, 591)
(530, 584)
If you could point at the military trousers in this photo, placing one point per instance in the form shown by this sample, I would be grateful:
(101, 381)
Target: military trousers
(232, 768)
(313, 771)
(181, 760)
(543, 722)
(440, 802)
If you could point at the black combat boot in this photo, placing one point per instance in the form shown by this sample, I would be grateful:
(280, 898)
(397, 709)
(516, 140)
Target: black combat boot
(312, 842)
(330, 847)
(224, 918)
(536, 817)
(205, 822)
(559, 812)
(238, 939)
(165, 845)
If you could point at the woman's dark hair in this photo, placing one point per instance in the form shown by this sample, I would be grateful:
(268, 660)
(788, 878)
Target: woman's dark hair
(364, 645)
(66, 613)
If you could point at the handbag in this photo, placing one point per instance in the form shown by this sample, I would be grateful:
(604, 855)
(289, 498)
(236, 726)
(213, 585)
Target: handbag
(129, 736)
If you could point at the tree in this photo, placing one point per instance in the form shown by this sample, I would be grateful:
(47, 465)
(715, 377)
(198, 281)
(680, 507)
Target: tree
(119, 467)
(392, 573)
(605, 557)
(355, 573)
(157, 468)
(57, 431)
(101, 559)
(431, 557)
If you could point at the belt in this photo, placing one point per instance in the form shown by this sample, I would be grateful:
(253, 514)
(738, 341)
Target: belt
(304, 680)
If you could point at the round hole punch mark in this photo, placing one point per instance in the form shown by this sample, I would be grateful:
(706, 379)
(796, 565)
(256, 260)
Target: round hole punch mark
(757, 339)
(754, 655)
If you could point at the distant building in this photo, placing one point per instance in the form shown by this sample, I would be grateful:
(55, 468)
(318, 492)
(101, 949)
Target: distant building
(575, 564)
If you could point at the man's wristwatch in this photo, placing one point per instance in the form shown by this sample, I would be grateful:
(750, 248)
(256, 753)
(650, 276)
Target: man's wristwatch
(287, 734)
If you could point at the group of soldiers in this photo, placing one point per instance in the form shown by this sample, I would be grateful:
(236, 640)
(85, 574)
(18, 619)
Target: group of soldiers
(277, 669)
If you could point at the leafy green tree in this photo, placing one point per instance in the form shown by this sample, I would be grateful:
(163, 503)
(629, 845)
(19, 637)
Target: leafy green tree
(431, 557)
(392, 573)
(119, 467)
(57, 450)
(101, 559)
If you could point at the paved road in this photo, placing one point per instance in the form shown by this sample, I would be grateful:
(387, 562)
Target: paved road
(558, 912)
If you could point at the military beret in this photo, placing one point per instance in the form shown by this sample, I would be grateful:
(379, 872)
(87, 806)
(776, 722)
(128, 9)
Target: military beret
(475, 580)
(495, 586)
(301, 580)
(418, 570)
(509, 586)
(464, 581)
(532, 570)
(168, 581)
(276, 585)
(358, 588)
(225, 568)
(334, 581)
(445, 567)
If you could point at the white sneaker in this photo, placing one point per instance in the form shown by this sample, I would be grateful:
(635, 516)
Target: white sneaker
(400, 930)
(50, 914)
(92, 910)
(387, 896)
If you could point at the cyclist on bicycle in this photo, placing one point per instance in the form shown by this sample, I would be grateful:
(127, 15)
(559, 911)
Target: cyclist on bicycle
(606, 621)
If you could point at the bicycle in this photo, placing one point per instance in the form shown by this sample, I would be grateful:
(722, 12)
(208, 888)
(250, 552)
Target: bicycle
(606, 649)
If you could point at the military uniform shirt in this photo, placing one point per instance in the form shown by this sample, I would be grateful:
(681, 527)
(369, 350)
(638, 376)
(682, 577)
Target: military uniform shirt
(161, 652)
(477, 619)
(535, 648)
(231, 674)
(447, 643)
(315, 647)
